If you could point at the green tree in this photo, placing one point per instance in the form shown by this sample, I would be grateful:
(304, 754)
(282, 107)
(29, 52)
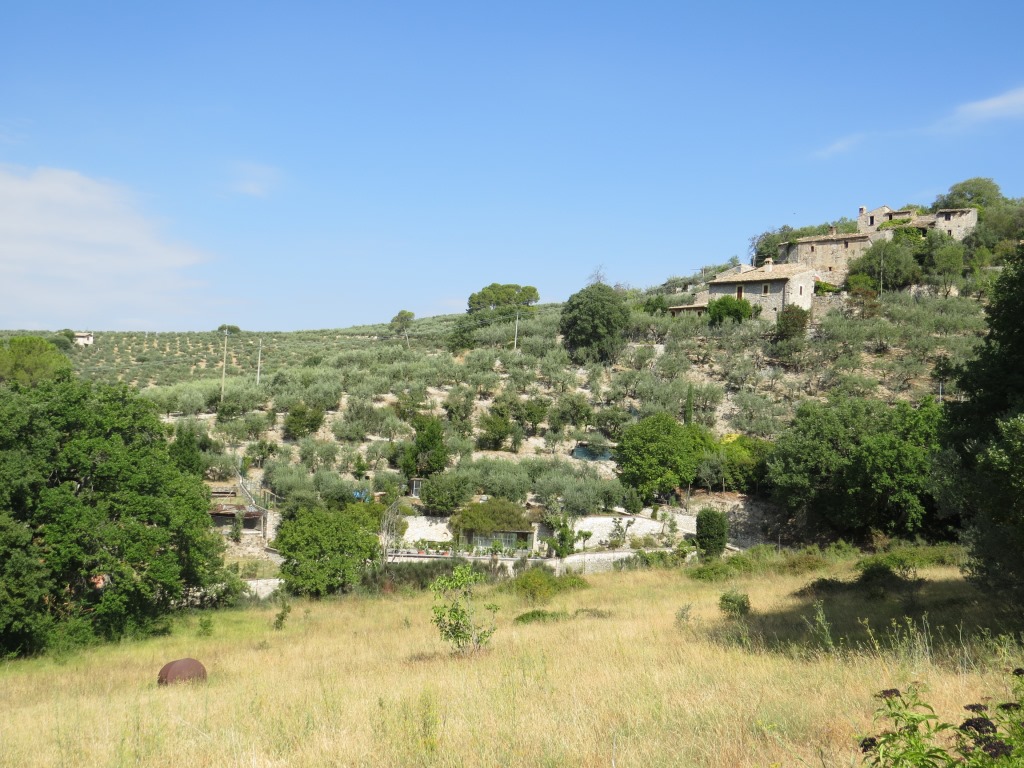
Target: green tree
(858, 464)
(657, 455)
(185, 451)
(994, 381)
(326, 551)
(401, 323)
(987, 432)
(947, 266)
(489, 516)
(500, 296)
(122, 534)
(456, 614)
(302, 420)
(792, 322)
(889, 263)
(444, 492)
(995, 499)
(427, 453)
(712, 532)
(729, 308)
(593, 324)
(29, 360)
(973, 193)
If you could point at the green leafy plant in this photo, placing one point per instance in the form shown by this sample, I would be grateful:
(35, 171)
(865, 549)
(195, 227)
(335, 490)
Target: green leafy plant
(457, 617)
(914, 736)
(734, 603)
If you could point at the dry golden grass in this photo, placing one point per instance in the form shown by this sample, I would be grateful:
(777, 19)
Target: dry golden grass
(367, 682)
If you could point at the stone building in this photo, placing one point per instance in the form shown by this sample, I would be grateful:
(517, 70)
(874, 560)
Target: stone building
(830, 255)
(958, 223)
(770, 286)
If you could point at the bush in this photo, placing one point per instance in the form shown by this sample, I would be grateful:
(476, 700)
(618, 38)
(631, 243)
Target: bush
(444, 493)
(712, 532)
(456, 615)
(734, 604)
(728, 308)
(539, 585)
(792, 322)
(302, 420)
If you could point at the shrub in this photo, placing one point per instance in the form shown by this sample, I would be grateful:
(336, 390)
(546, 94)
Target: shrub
(728, 308)
(792, 322)
(915, 736)
(734, 604)
(539, 585)
(712, 532)
(302, 420)
(444, 493)
(456, 616)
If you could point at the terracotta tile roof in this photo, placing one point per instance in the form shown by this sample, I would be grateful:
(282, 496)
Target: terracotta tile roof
(830, 238)
(763, 275)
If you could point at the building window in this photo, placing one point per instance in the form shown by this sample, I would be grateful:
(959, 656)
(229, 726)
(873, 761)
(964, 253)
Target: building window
(890, 216)
(801, 291)
(949, 232)
(739, 291)
(764, 289)
(871, 221)
(812, 249)
(846, 243)
(947, 216)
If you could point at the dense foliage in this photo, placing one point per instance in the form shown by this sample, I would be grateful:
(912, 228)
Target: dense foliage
(326, 550)
(658, 455)
(858, 464)
(593, 323)
(101, 534)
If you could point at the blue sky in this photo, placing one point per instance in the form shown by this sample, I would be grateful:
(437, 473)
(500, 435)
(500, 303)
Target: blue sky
(175, 166)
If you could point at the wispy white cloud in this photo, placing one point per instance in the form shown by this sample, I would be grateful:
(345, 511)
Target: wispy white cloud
(77, 252)
(840, 146)
(1005, 106)
(255, 180)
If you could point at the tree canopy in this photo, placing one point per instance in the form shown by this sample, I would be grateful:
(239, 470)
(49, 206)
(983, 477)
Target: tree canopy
(729, 308)
(657, 455)
(593, 324)
(106, 534)
(987, 432)
(499, 295)
(326, 550)
(858, 463)
(30, 359)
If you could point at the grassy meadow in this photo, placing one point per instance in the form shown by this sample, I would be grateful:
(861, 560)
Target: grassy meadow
(652, 675)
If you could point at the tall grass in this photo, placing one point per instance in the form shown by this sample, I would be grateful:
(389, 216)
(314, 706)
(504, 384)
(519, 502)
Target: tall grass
(620, 680)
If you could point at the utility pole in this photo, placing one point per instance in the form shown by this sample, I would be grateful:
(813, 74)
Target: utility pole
(259, 360)
(224, 366)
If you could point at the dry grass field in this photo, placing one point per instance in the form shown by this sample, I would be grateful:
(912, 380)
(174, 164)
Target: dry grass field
(367, 682)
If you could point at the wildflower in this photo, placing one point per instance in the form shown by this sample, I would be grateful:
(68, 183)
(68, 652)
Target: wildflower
(997, 748)
(1009, 706)
(868, 744)
(888, 693)
(978, 725)
(976, 708)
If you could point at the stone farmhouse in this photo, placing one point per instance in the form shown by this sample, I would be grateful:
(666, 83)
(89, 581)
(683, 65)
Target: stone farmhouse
(770, 286)
(830, 255)
(789, 279)
(84, 339)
